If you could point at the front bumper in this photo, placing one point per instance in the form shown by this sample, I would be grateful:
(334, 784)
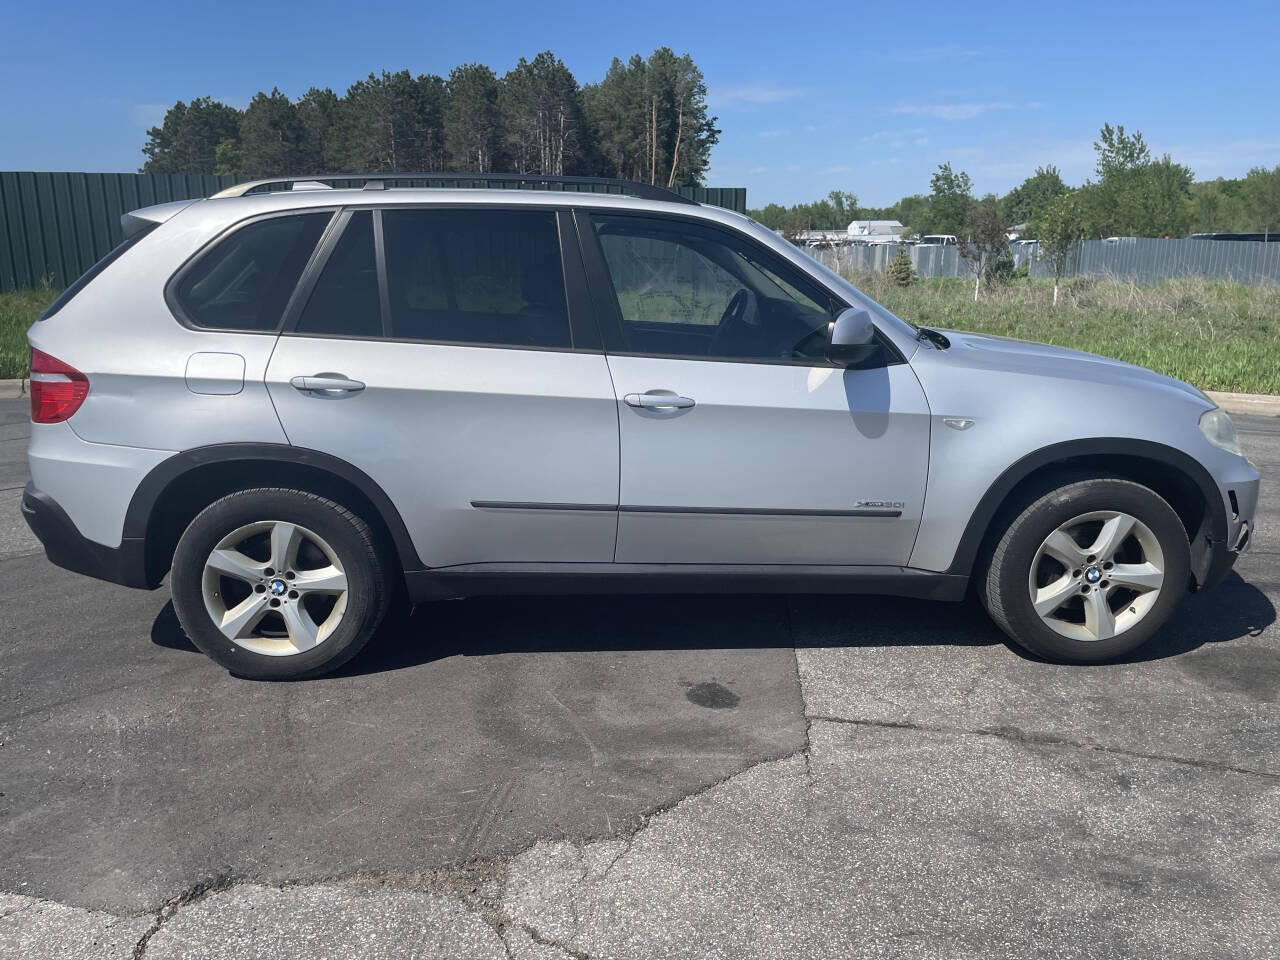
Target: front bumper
(67, 547)
(1211, 557)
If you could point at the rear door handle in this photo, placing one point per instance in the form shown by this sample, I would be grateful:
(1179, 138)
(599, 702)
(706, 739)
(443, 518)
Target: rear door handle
(328, 384)
(657, 400)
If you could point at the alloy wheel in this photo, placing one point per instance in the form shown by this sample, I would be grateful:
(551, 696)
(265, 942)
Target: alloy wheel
(274, 587)
(1096, 576)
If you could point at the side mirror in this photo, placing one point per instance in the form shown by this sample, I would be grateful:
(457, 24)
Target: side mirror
(853, 338)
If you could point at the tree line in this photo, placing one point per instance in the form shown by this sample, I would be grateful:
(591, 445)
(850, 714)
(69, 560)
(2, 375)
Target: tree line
(646, 120)
(1132, 193)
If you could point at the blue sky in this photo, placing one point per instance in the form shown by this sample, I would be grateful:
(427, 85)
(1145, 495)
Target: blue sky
(811, 97)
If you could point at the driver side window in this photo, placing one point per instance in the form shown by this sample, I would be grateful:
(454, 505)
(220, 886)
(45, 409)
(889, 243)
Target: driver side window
(688, 290)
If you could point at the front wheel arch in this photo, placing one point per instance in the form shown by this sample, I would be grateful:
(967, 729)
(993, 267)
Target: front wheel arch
(1183, 482)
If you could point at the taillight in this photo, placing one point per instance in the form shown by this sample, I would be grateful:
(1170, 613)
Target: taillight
(57, 388)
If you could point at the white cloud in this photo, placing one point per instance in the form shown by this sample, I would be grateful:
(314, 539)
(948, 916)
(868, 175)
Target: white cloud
(950, 111)
(772, 134)
(752, 94)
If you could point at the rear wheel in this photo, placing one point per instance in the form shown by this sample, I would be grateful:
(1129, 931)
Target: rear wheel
(278, 584)
(1088, 571)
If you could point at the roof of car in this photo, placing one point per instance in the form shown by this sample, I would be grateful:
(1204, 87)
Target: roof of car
(235, 208)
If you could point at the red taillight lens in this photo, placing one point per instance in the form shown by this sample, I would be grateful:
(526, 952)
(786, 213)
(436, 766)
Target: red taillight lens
(57, 388)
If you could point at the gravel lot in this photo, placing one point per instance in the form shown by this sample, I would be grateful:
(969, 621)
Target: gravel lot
(730, 777)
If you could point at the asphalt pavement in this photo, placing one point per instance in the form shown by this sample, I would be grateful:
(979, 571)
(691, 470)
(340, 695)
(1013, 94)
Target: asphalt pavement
(638, 777)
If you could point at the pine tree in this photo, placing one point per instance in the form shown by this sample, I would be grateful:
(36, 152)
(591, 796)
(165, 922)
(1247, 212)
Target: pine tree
(901, 272)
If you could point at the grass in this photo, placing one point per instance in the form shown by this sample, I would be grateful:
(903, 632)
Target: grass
(18, 310)
(1219, 336)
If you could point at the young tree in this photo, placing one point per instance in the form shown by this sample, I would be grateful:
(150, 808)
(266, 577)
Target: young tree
(950, 200)
(984, 237)
(473, 119)
(187, 140)
(901, 272)
(1060, 230)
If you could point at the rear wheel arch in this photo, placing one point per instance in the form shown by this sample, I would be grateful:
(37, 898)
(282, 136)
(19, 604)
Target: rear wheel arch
(1176, 477)
(176, 490)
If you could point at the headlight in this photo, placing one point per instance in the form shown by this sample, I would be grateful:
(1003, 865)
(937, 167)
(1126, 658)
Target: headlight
(1220, 431)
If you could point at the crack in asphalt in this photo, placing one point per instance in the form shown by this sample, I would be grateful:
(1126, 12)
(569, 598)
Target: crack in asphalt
(193, 894)
(463, 883)
(543, 940)
(1016, 735)
(481, 886)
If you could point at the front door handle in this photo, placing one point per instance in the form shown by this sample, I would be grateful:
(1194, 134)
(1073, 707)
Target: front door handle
(657, 400)
(326, 384)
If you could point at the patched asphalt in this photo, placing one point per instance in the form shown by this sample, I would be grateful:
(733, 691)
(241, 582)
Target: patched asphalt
(639, 777)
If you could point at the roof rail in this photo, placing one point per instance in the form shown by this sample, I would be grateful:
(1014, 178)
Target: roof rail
(470, 181)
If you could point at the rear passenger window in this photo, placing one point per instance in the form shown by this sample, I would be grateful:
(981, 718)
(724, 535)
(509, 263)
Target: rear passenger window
(245, 281)
(476, 276)
(345, 299)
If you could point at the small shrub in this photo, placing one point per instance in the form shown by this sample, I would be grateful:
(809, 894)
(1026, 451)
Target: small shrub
(999, 271)
(900, 272)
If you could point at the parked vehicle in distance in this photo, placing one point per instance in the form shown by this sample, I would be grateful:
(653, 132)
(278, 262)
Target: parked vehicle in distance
(309, 407)
(1244, 237)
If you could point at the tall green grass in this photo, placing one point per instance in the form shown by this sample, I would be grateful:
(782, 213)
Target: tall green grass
(18, 310)
(1218, 336)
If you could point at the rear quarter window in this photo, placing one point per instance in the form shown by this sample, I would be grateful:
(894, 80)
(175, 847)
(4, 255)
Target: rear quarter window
(244, 281)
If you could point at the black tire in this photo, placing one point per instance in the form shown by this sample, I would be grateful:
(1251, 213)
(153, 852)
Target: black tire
(1003, 584)
(350, 538)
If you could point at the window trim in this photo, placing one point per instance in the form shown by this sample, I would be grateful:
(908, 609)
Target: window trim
(584, 335)
(608, 310)
(171, 285)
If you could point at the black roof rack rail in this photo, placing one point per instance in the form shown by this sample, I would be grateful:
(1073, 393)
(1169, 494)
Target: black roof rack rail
(470, 181)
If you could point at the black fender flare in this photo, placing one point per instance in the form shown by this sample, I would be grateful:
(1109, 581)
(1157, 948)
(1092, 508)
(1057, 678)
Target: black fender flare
(975, 532)
(139, 516)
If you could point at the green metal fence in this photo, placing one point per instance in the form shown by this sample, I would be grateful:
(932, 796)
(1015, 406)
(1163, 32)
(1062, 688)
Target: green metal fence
(54, 226)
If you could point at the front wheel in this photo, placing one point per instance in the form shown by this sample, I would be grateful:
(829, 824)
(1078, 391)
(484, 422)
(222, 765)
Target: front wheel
(1089, 571)
(278, 584)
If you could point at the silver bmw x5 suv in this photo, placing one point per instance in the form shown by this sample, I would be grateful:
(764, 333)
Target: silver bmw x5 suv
(312, 405)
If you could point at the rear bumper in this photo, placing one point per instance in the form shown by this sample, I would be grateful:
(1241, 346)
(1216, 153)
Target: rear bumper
(67, 547)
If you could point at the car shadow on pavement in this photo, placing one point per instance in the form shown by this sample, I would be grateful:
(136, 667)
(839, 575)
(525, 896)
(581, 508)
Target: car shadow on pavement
(488, 626)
